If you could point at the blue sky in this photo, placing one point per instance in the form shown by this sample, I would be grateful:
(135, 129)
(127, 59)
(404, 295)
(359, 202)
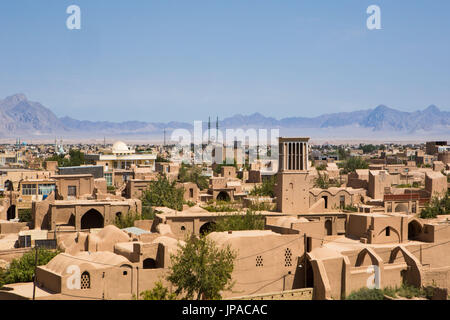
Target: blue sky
(164, 60)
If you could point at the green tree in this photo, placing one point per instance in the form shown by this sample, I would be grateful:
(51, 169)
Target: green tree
(368, 148)
(127, 221)
(249, 221)
(76, 158)
(436, 207)
(25, 215)
(201, 269)
(193, 174)
(343, 153)
(159, 292)
(161, 159)
(163, 193)
(267, 189)
(354, 163)
(322, 181)
(22, 270)
(227, 163)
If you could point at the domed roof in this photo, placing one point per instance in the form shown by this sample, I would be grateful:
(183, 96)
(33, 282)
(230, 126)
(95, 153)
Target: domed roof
(119, 147)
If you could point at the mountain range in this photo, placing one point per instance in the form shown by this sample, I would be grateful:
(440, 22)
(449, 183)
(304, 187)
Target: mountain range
(24, 118)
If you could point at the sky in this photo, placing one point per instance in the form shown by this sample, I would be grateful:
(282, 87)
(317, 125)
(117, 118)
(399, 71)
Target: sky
(166, 60)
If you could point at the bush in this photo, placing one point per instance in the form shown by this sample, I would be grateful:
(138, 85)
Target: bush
(25, 215)
(262, 206)
(351, 208)
(148, 213)
(436, 207)
(249, 221)
(322, 167)
(405, 291)
(76, 159)
(222, 206)
(127, 221)
(267, 189)
(226, 163)
(22, 270)
(352, 164)
(366, 294)
(190, 203)
(159, 292)
(323, 182)
(193, 174)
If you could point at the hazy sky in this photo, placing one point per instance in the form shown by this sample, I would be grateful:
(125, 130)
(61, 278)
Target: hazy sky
(164, 60)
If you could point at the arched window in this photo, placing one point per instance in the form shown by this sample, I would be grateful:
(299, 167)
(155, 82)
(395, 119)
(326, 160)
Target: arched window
(92, 220)
(207, 228)
(223, 196)
(85, 280)
(149, 263)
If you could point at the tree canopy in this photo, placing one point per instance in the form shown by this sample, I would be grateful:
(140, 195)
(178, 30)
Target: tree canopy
(354, 163)
(76, 158)
(249, 221)
(267, 189)
(22, 270)
(193, 174)
(163, 193)
(436, 207)
(201, 270)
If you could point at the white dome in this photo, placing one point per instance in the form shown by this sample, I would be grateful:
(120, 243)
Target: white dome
(120, 147)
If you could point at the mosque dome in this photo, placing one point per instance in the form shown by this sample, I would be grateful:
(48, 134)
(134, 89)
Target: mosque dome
(120, 147)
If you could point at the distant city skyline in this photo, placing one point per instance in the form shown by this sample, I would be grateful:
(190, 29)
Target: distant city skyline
(182, 61)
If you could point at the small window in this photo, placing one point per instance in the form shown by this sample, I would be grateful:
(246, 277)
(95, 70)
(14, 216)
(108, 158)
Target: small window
(72, 191)
(325, 198)
(288, 258)
(28, 189)
(85, 280)
(308, 244)
(183, 228)
(125, 273)
(342, 202)
(259, 261)
(388, 232)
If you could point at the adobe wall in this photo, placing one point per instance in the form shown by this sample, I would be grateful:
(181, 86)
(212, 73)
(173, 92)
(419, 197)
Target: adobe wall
(264, 263)
(292, 192)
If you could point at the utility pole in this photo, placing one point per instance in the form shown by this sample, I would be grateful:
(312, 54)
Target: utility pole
(137, 282)
(35, 269)
(305, 240)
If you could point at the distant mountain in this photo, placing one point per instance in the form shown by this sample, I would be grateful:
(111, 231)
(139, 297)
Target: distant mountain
(21, 117)
(17, 114)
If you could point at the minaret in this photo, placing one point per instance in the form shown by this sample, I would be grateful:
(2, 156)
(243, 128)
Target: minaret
(217, 129)
(164, 137)
(209, 130)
